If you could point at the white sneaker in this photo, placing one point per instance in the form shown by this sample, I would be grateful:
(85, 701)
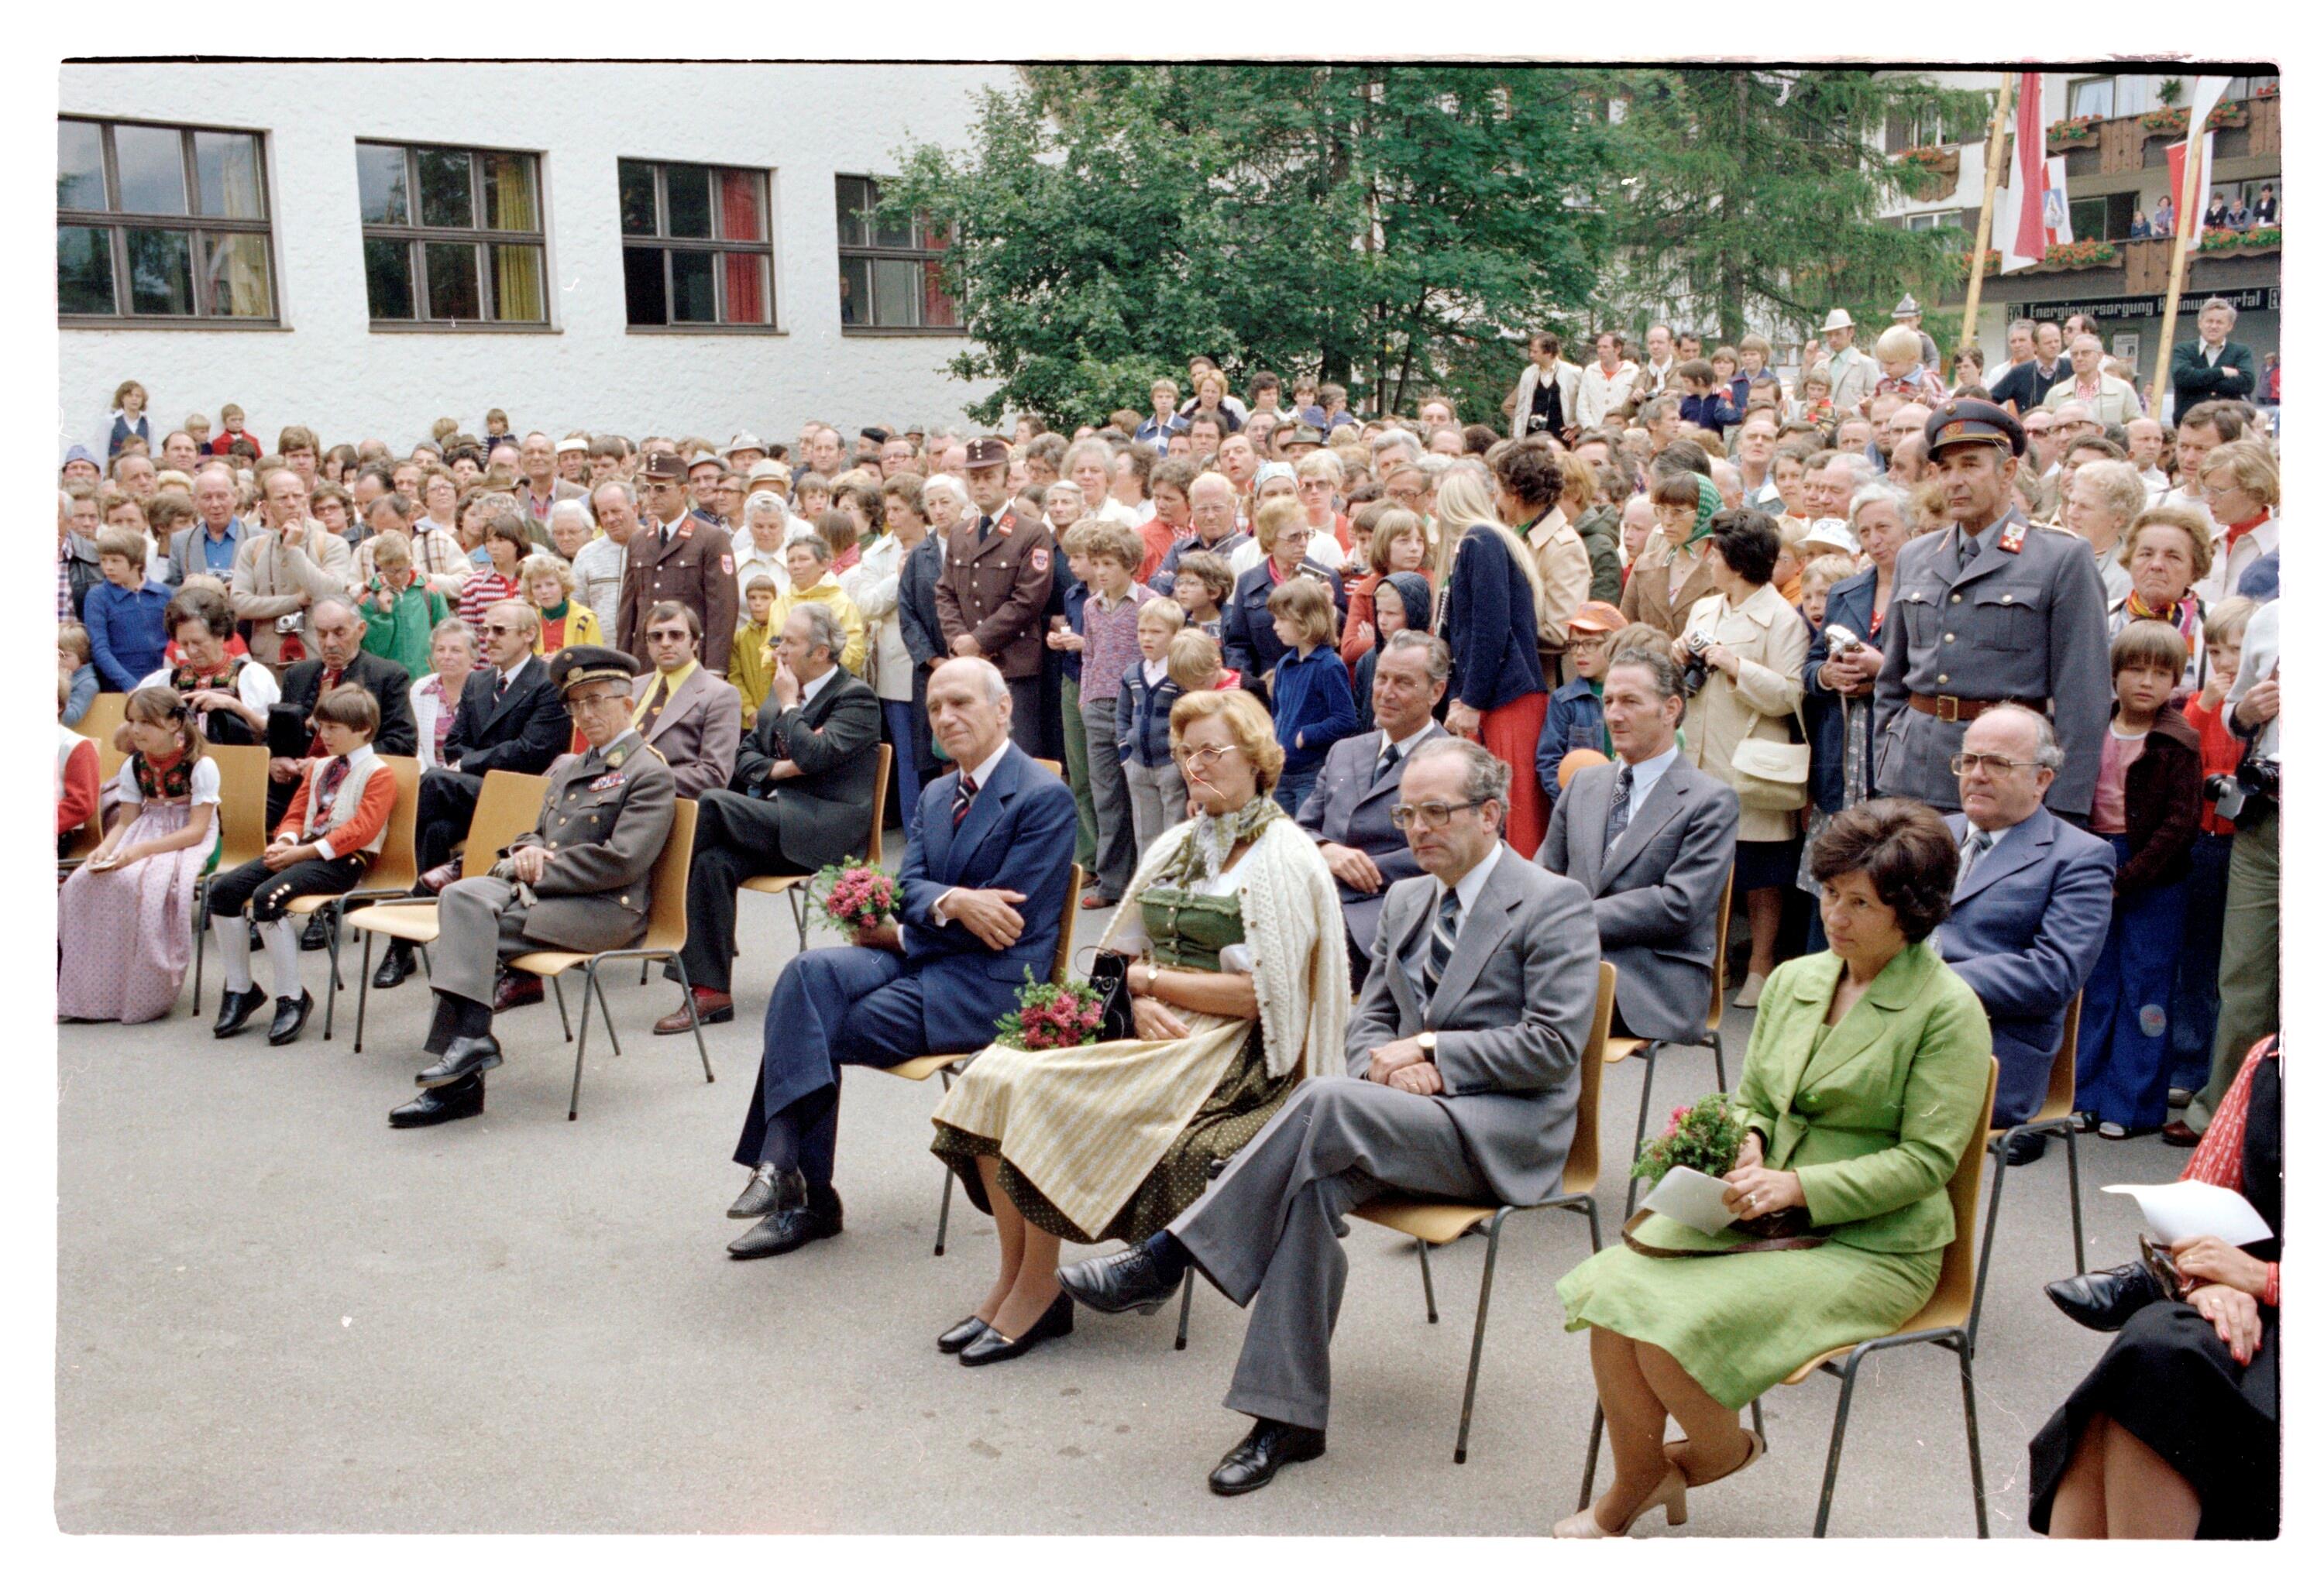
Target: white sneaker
(1747, 996)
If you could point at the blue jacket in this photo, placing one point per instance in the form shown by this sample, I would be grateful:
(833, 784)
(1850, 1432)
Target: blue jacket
(2262, 578)
(83, 695)
(1165, 580)
(1315, 706)
(1849, 604)
(1067, 594)
(1489, 623)
(1141, 718)
(1248, 633)
(127, 636)
(916, 601)
(1018, 836)
(1719, 411)
(2026, 931)
(1576, 706)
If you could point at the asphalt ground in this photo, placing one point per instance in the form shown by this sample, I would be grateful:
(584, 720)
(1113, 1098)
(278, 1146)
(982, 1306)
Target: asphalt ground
(274, 1314)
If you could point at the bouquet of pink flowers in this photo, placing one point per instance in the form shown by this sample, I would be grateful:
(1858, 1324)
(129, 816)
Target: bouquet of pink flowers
(1051, 1017)
(853, 895)
(1707, 1135)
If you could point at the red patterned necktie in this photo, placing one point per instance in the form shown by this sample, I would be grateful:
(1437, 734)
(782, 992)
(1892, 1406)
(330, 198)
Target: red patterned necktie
(963, 798)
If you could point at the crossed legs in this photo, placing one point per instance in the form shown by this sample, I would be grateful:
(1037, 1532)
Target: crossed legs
(1640, 1385)
(2116, 1487)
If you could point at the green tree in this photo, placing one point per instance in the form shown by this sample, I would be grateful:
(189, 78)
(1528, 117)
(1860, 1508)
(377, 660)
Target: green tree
(1395, 228)
(1751, 195)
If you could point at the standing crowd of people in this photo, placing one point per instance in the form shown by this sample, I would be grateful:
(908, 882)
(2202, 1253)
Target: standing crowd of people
(1378, 735)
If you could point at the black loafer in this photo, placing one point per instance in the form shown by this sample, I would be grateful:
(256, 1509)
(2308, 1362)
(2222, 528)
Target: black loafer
(2103, 1299)
(770, 1190)
(393, 968)
(450, 1103)
(290, 1016)
(785, 1230)
(466, 1057)
(1118, 1283)
(958, 1337)
(992, 1347)
(2027, 1147)
(1268, 1447)
(235, 1008)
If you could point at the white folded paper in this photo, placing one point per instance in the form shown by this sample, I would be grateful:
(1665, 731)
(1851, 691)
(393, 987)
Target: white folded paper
(2176, 1211)
(1692, 1198)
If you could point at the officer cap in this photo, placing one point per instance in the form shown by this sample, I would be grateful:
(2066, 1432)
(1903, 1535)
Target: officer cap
(665, 467)
(590, 662)
(1979, 423)
(988, 452)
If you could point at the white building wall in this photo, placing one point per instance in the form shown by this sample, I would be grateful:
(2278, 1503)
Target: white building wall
(326, 367)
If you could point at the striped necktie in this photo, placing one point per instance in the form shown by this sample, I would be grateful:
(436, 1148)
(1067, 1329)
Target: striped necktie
(962, 798)
(1440, 942)
(1618, 817)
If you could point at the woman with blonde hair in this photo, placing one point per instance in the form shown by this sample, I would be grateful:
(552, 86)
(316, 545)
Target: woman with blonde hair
(1491, 618)
(1238, 987)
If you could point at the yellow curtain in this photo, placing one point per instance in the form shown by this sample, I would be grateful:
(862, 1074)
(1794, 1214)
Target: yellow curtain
(516, 268)
(516, 271)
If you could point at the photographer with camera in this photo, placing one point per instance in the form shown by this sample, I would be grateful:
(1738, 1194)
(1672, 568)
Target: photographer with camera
(2251, 931)
(1747, 645)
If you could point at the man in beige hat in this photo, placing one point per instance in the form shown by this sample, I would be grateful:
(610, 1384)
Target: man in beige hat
(1853, 374)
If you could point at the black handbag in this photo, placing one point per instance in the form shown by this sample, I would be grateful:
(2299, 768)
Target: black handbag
(1109, 976)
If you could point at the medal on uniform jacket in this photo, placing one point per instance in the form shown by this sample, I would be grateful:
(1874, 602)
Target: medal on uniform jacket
(611, 781)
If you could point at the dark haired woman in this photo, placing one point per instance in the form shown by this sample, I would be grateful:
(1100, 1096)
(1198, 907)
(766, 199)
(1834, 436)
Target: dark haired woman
(1752, 643)
(1864, 1083)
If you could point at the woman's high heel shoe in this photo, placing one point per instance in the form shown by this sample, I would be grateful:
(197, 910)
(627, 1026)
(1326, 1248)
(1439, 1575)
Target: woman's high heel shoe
(1670, 1449)
(1670, 1494)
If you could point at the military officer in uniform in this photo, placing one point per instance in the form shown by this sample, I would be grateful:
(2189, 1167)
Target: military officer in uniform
(995, 587)
(1991, 609)
(676, 554)
(578, 881)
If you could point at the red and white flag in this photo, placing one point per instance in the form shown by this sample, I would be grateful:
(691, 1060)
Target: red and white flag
(2208, 92)
(2027, 215)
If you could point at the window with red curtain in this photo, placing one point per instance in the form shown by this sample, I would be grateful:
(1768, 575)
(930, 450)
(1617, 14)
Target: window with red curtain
(696, 248)
(891, 269)
(741, 219)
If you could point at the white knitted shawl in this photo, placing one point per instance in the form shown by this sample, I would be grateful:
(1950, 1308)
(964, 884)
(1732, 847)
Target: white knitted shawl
(1299, 955)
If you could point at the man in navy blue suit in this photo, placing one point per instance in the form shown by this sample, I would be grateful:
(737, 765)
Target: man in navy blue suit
(2031, 903)
(983, 893)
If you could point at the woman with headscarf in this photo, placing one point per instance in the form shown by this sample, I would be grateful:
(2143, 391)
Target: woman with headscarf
(1672, 573)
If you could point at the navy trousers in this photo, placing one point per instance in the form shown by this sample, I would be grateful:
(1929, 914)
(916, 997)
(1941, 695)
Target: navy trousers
(2122, 1070)
(847, 1006)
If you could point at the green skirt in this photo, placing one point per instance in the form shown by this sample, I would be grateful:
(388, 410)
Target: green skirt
(1741, 1323)
(1245, 1100)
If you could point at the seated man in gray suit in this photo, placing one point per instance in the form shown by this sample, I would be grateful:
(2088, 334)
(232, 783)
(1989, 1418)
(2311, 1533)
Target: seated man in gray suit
(1463, 1073)
(800, 797)
(2030, 904)
(1651, 839)
(1347, 812)
(687, 712)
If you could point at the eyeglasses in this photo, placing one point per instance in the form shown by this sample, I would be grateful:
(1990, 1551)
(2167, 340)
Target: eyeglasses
(1202, 758)
(1428, 816)
(1991, 763)
(496, 630)
(1577, 643)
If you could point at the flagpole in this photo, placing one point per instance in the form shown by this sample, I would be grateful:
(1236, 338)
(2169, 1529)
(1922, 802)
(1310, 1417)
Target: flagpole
(2190, 176)
(2001, 112)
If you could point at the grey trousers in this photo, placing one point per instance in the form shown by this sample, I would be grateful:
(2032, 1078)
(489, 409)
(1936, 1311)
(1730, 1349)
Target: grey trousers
(480, 925)
(1117, 838)
(1157, 799)
(1267, 1233)
(2250, 936)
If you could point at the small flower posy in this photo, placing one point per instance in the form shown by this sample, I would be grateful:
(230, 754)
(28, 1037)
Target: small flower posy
(1051, 1017)
(1707, 1135)
(853, 895)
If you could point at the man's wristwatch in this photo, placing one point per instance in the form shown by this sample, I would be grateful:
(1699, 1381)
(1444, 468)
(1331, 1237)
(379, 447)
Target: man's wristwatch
(1426, 1040)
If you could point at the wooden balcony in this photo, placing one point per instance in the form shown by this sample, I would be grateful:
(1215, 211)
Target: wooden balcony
(2123, 145)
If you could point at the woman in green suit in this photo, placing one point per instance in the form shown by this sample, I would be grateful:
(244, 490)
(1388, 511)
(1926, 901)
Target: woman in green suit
(1863, 1087)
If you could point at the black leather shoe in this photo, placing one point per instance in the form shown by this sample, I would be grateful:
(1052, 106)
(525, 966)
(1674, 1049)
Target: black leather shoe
(236, 1007)
(770, 1190)
(961, 1334)
(2027, 1147)
(992, 1347)
(1268, 1447)
(316, 935)
(465, 1058)
(393, 968)
(787, 1229)
(1118, 1283)
(2103, 1299)
(514, 990)
(290, 1016)
(452, 1102)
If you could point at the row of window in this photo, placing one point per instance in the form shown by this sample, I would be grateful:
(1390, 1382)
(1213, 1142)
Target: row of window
(2122, 94)
(173, 223)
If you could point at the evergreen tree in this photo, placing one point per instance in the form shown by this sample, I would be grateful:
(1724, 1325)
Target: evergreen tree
(1751, 195)
(1396, 228)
